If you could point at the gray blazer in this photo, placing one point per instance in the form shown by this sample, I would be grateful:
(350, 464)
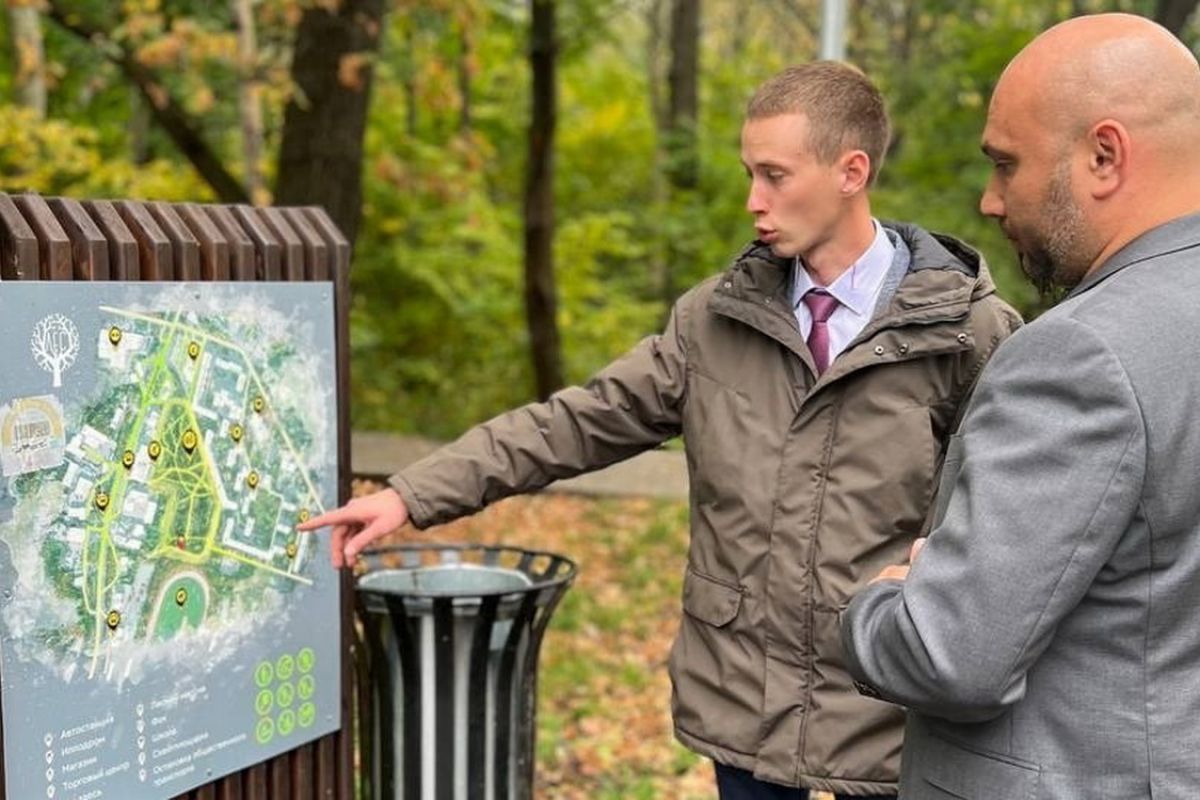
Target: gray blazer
(1047, 640)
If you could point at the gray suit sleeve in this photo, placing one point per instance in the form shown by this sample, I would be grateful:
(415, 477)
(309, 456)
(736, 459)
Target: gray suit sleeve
(1048, 474)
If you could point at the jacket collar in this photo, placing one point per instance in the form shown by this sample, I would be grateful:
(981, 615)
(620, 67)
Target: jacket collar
(1181, 233)
(943, 277)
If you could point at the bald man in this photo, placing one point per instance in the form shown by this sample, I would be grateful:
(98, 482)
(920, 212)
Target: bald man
(1046, 639)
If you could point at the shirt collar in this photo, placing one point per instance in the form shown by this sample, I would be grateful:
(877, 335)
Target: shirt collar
(858, 286)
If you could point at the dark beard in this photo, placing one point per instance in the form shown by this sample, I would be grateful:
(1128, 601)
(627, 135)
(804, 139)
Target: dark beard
(1051, 262)
(1045, 276)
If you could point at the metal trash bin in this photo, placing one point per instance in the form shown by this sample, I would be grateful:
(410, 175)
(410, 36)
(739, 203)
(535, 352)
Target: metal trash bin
(452, 636)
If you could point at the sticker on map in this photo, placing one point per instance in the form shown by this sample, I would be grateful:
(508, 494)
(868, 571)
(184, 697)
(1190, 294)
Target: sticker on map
(163, 622)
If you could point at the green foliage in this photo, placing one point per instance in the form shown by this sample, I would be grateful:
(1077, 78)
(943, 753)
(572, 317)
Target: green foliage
(438, 335)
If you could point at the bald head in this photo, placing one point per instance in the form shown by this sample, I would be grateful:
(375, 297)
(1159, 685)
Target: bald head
(1092, 130)
(1117, 66)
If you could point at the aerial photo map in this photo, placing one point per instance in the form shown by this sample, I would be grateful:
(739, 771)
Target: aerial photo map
(162, 621)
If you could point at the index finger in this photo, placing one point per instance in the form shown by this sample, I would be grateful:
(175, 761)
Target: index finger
(337, 516)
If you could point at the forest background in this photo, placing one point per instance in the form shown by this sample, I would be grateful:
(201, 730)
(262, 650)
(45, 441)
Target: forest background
(527, 183)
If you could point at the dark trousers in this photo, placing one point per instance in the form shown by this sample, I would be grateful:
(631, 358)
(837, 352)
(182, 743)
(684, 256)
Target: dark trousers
(738, 784)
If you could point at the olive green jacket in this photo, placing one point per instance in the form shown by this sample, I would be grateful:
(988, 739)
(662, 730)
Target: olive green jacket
(802, 489)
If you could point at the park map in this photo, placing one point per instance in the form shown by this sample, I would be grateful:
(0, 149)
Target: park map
(154, 473)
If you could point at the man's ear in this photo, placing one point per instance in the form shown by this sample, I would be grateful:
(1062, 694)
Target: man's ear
(856, 171)
(1108, 149)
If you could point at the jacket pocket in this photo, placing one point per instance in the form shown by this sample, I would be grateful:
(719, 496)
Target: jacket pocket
(710, 600)
(958, 772)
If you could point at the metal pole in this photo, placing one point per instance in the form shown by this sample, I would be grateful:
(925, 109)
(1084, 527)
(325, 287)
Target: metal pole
(833, 29)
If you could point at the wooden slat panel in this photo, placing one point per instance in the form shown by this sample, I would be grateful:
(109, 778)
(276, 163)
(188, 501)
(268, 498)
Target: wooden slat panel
(156, 241)
(54, 248)
(293, 247)
(338, 253)
(89, 248)
(154, 248)
(122, 245)
(18, 244)
(214, 245)
(316, 251)
(230, 788)
(303, 761)
(242, 254)
(317, 267)
(265, 243)
(255, 785)
(185, 246)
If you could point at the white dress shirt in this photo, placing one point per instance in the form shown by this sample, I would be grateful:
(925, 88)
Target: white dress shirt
(856, 289)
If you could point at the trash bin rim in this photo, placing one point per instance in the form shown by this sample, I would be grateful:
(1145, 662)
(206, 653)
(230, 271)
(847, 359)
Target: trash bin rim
(563, 579)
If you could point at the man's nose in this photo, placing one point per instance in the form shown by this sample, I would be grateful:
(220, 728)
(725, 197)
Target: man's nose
(754, 201)
(990, 204)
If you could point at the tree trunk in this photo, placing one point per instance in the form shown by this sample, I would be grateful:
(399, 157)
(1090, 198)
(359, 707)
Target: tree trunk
(249, 101)
(408, 77)
(29, 60)
(541, 301)
(659, 267)
(465, 68)
(683, 161)
(321, 152)
(1173, 14)
(684, 165)
(140, 149)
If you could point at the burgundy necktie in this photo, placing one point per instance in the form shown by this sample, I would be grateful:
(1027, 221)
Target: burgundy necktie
(820, 305)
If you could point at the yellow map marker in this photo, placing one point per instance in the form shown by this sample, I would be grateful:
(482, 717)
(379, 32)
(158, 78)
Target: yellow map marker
(127, 459)
(114, 619)
(194, 350)
(252, 479)
(180, 597)
(291, 549)
(101, 500)
(259, 404)
(154, 450)
(190, 440)
(235, 432)
(114, 335)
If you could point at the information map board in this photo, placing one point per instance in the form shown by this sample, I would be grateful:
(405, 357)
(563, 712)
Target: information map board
(162, 623)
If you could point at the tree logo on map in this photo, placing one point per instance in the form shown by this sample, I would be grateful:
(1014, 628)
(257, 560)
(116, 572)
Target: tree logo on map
(55, 344)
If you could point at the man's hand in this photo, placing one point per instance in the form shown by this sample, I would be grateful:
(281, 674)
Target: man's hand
(899, 572)
(363, 520)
